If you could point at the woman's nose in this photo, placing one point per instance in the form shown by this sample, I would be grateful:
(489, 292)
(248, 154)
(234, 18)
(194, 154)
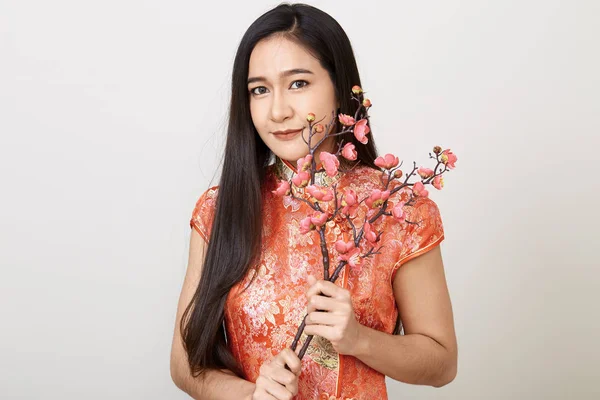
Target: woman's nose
(280, 107)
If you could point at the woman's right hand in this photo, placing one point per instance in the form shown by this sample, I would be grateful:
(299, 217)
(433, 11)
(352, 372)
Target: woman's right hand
(275, 382)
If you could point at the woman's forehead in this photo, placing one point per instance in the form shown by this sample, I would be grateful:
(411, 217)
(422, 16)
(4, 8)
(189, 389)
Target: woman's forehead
(275, 58)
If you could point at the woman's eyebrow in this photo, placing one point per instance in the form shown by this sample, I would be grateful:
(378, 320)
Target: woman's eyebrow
(282, 75)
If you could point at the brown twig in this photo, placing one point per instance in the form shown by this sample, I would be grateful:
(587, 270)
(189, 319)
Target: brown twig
(357, 236)
(311, 205)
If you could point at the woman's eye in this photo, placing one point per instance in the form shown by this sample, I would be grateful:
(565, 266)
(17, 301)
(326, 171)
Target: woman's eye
(257, 93)
(252, 91)
(305, 83)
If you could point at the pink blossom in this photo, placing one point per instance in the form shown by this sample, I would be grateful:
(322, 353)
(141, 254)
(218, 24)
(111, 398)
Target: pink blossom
(283, 189)
(438, 182)
(320, 193)
(301, 179)
(306, 225)
(388, 161)
(398, 212)
(311, 222)
(344, 247)
(349, 152)
(319, 218)
(346, 119)
(304, 163)
(419, 190)
(349, 203)
(377, 198)
(425, 172)
(449, 158)
(350, 198)
(330, 162)
(361, 129)
(352, 257)
(369, 234)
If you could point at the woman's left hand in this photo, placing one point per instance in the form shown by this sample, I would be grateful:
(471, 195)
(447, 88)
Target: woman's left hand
(335, 321)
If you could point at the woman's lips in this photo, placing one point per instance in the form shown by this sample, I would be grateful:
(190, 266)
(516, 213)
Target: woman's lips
(288, 136)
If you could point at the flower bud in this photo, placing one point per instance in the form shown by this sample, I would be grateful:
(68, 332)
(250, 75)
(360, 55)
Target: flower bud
(319, 128)
(397, 173)
(366, 103)
(349, 152)
(310, 117)
(437, 149)
(356, 89)
(425, 172)
(346, 119)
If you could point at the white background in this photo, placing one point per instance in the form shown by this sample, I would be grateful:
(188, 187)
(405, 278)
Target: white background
(112, 119)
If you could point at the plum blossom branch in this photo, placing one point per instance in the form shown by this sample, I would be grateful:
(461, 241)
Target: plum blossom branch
(378, 202)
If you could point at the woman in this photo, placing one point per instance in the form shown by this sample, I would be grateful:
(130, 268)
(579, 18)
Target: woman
(252, 276)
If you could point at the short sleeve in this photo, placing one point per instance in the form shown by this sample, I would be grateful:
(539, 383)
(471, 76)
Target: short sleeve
(203, 214)
(423, 232)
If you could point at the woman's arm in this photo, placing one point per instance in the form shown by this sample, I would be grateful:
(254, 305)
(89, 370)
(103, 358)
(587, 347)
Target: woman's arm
(216, 384)
(427, 353)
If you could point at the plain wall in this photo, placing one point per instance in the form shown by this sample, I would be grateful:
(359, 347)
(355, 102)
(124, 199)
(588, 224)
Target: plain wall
(112, 120)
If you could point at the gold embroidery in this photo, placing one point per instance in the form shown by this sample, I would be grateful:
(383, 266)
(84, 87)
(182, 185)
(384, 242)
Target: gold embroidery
(285, 172)
(322, 352)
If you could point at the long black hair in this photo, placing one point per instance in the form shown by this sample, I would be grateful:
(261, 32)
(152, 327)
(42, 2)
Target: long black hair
(235, 241)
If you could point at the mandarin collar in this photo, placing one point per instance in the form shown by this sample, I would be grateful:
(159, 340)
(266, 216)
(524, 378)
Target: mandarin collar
(286, 171)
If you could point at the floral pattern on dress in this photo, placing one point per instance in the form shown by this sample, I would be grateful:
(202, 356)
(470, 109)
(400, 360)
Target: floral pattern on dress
(262, 320)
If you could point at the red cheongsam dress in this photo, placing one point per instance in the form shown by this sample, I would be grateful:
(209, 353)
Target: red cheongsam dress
(262, 320)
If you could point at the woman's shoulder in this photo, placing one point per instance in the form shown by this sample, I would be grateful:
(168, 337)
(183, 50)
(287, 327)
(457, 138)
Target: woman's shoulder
(203, 213)
(206, 203)
(208, 197)
(364, 180)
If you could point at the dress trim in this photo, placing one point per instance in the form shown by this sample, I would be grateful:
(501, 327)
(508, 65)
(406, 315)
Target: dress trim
(338, 387)
(417, 253)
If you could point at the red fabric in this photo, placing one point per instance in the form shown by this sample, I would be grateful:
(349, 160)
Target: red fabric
(263, 320)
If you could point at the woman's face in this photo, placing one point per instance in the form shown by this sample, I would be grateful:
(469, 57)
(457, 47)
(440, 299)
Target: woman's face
(285, 83)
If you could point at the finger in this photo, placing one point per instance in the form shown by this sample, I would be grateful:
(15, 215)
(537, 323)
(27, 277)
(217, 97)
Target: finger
(285, 378)
(311, 280)
(292, 360)
(322, 303)
(261, 394)
(273, 388)
(327, 332)
(322, 318)
(326, 288)
(298, 350)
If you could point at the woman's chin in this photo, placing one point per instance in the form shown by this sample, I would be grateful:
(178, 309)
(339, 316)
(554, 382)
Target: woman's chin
(292, 154)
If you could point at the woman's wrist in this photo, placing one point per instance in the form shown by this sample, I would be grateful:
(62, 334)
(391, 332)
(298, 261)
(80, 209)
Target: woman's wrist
(362, 344)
